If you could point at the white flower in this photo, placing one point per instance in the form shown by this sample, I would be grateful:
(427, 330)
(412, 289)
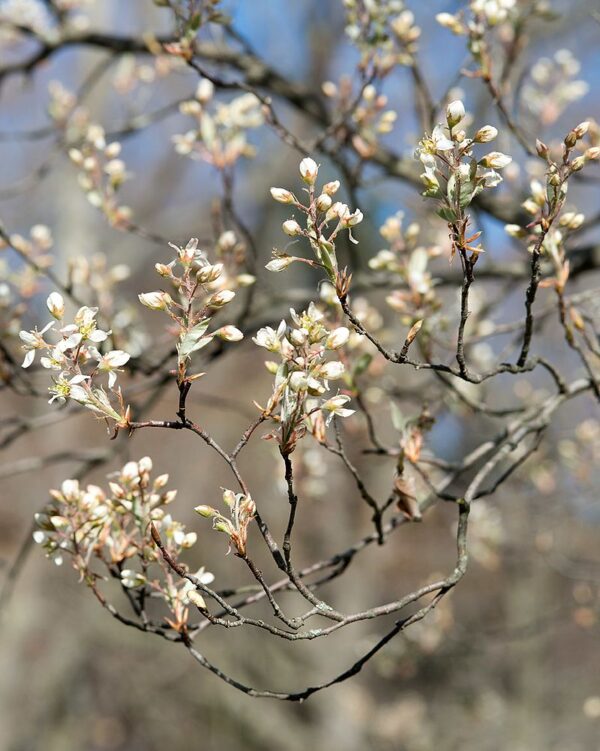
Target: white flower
(269, 338)
(335, 406)
(110, 362)
(56, 305)
(439, 139)
(33, 340)
(309, 170)
(63, 388)
(132, 579)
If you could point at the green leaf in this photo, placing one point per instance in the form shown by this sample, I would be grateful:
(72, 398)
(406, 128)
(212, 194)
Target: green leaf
(445, 212)
(193, 340)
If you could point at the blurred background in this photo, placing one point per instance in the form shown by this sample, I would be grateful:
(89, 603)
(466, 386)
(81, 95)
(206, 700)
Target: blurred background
(509, 660)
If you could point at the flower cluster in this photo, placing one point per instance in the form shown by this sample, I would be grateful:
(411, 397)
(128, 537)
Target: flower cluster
(200, 297)
(385, 33)
(551, 86)
(77, 361)
(453, 176)
(370, 115)
(108, 531)
(220, 135)
(550, 225)
(484, 12)
(324, 219)
(36, 249)
(241, 512)
(101, 174)
(486, 16)
(302, 376)
(406, 258)
(28, 14)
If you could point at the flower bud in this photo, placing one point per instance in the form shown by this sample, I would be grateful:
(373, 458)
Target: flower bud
(221, 298)
(541, 148)
(229, 333)
(485, 134)
(581, 129)
(56, 305)
(455, 112)
(206, 511)
(578, 163)
(337, 338)
(229, 498)
(324, 201)
(282, 195)
(593, 152)
(205, 90)
(309, 170)
(195, 598)
(280, 264)
(496, 160)
(514, 230)
(209, 273)
(332, 187)
(162, 269)
(292, 228)
(155, 300)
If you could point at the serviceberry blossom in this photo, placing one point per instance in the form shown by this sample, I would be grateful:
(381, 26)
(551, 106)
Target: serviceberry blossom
(302, 373)
(72, 357)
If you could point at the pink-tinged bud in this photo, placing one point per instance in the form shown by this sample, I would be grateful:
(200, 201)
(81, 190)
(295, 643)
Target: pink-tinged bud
(485, 134)
(581, 129)
(541, 148)
(162, 269)
(593, 152)
(578, 163)
(455, 112)
(332, 187)
(56, 305)
(221, 298)
(209, 273)
(229, 333)
(496, 160)
(309, 170)
(282, 195)
(292, 228)
(324, 202)
(155, 300)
